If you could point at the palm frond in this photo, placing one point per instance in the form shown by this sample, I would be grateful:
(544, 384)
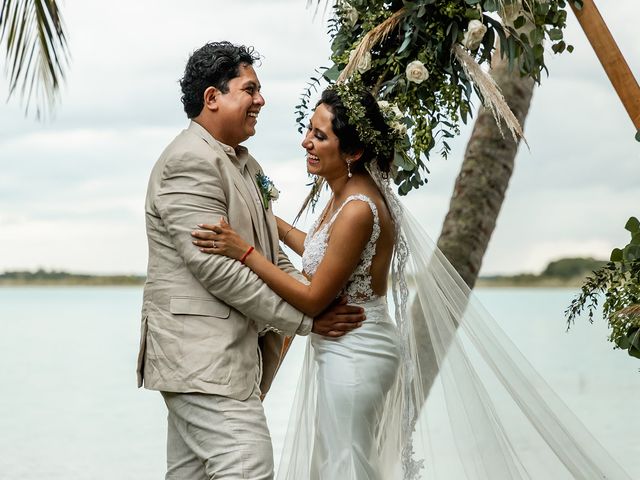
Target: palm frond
(33, 38)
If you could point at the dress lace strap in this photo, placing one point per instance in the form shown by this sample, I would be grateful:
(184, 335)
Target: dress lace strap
(358, 287)
(374, 210)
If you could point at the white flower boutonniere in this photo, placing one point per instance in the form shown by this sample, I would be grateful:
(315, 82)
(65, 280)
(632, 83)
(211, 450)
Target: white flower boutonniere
(268, 190)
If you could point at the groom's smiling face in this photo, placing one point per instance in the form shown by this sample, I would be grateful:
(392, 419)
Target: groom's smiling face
(238, 109)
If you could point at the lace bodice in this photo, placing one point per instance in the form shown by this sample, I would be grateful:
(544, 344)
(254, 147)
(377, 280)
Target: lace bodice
(358, 287)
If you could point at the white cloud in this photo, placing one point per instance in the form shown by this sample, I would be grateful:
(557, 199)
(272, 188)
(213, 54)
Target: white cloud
(72, 189)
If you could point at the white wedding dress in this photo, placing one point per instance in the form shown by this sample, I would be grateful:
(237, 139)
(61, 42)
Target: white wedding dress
(435, 392)
(354, 372)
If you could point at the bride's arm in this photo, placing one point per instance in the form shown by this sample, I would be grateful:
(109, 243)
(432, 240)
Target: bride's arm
(291, 236)
(349, 236)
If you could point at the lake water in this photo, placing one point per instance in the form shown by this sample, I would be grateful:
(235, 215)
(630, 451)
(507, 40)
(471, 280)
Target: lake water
(70, 409)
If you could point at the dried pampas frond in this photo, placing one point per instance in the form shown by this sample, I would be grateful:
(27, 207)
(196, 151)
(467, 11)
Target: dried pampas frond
(492, 96)
(630, 311)
(373, 37)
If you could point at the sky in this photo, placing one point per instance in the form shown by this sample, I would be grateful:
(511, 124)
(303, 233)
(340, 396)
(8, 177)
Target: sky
(72, 187)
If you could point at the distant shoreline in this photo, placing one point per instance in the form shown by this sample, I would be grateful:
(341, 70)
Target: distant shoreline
(43, 278)
(536, 282)
(4, 284)
(137, 281)
(562, 273)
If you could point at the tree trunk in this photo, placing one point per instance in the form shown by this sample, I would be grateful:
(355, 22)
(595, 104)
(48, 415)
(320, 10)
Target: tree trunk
(477, 197)
(483, 179)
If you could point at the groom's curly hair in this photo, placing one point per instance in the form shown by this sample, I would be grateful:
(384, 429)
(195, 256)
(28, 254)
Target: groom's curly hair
(212, 65)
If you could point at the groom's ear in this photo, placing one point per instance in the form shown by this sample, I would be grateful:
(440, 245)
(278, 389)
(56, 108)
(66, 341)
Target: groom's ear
(210, 96)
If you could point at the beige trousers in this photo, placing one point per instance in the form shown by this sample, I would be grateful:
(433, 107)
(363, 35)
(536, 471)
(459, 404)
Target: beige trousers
(214, 437)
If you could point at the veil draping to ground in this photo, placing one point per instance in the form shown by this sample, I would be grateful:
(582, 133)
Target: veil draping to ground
(466, 403)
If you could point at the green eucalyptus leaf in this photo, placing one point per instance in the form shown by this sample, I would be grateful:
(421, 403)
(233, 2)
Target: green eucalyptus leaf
(555, 34)
(634, 352)
(616, 255)
(633, 225)
(631, 253)
(558, 47)
(623, 342)
(332, 73)
(472, 14)
(406, 43)
(537, 36)
(491, 5)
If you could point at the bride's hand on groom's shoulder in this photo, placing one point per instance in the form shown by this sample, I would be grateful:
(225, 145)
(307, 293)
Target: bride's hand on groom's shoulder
(219, 239)
(338, 319)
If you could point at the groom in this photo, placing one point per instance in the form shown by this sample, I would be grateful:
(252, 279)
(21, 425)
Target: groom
(212, 331)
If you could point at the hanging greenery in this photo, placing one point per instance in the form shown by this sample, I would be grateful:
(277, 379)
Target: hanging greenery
(423, 57)
(619, 281)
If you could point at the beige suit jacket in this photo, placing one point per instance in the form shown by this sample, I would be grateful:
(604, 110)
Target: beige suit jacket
(202, 314)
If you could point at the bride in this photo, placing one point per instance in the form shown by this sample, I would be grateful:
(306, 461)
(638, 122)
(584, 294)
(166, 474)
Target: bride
(366, 401)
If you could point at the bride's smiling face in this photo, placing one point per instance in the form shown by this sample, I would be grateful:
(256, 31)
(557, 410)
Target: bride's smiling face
(324, 157)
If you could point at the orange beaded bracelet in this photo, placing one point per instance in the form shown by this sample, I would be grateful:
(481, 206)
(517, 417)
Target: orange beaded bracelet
(246, 254)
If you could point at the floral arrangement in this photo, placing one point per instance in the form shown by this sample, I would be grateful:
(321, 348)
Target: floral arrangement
(619, 280)
(423, 58)
(350, 97)
(268, 190)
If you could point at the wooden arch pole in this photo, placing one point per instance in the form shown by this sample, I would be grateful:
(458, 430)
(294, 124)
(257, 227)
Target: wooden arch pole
(611, 59)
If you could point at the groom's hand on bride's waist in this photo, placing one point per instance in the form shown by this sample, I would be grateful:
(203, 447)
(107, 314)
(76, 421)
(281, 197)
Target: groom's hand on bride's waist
(338, 319)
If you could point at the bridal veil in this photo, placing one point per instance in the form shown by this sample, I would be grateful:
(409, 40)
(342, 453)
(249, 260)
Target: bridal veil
(466, 404)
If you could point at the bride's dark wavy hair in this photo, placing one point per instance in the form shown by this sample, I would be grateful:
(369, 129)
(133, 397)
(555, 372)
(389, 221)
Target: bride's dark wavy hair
(212, 65)
(350, 141)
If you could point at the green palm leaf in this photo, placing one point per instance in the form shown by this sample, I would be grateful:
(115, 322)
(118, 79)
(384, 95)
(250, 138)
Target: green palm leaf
(33, 37)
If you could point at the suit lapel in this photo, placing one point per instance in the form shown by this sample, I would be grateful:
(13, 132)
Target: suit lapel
(254, 169)
(238, 180)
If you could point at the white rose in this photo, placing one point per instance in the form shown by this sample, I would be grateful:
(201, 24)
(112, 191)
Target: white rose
(364, 63)
(274, 193)
(417, 72)
(350, 15)
(474, 34)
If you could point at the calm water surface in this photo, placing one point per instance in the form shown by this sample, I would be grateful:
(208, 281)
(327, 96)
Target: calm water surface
(70, 409)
